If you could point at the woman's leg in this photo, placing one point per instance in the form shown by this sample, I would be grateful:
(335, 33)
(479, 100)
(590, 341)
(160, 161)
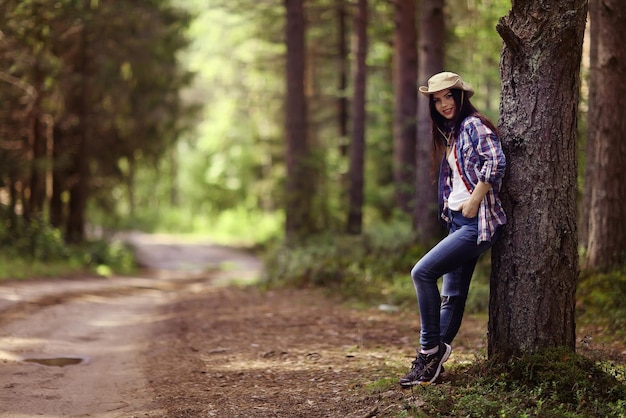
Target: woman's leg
(453, 297)
(458, 249)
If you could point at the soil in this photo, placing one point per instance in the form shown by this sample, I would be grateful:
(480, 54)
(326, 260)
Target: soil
(187, 338)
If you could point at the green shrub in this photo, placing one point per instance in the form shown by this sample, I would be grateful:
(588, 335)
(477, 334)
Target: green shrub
(36, 249)
(371, 266)
(35, 239)
(601, 300)
(106, 257)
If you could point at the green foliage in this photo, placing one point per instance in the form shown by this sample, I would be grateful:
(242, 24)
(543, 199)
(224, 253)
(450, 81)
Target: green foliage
(560, 376)
(36, 249)
(234, 158)
(473, 48)
(551, 383)
(35, 239)
(374, 266)
(106, 257)
(100, 83)
(601, 299)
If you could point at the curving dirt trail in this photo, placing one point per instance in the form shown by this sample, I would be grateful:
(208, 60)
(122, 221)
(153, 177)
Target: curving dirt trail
(84, 346)
(184, 340)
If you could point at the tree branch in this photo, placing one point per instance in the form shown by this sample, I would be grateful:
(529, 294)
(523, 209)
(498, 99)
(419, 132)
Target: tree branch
(30, 90)
(510, 38)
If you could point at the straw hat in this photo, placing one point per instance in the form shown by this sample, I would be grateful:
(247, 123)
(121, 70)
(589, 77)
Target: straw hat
(446, 80)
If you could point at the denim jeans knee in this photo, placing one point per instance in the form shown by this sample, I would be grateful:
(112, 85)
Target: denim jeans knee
(459, 249)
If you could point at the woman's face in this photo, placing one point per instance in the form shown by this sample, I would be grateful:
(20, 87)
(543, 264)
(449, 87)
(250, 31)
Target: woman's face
(444, 103)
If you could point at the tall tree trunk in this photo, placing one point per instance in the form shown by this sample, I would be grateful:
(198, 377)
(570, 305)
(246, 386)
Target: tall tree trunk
(299, 188)
(57, 207)
(405, 109)
(75, 226)
(589, 165)
(38, 167)
(535, 262)
(344, 68)
(15, 197)
(357, 146)
(37, 142)
(606, 139)
(431, 56)
(173, 160)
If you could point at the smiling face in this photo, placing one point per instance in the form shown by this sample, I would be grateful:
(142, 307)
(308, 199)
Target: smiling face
(444, 103)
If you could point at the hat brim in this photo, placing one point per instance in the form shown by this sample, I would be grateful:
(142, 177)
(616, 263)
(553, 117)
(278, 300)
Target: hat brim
(461, 85)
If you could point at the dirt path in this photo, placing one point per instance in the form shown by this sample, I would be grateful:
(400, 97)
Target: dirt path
(181, 342)
(241, 352)
(84, 347)
(184, 342)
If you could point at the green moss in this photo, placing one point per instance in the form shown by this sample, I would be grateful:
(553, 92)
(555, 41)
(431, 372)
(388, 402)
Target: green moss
(549, 383)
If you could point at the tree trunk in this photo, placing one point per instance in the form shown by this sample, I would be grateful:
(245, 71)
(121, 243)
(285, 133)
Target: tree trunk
(34, 206)
(405, 109)
(589, 163)
(299, 188)
(75, 227)
(606, 139)
(357, 147)
(59, 170)
(38, 169)
(535, 262)
(431, 55)
(15, 196)
(344, 67)
(173, 161)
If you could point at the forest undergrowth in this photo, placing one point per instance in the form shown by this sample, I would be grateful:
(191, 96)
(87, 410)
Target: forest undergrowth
(374, 269)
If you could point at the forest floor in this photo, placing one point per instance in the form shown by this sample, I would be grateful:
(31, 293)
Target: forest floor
(186, 339)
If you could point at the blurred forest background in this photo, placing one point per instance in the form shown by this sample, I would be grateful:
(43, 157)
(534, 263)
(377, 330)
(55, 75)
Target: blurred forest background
(174, 116)
(169, 115)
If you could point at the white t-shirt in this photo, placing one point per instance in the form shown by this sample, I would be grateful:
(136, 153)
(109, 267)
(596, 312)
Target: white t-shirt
(459, 193)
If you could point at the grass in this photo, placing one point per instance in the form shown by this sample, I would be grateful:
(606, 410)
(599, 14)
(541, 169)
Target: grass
(601, 302)
(92, 258)
(550, 383)
(18, 268)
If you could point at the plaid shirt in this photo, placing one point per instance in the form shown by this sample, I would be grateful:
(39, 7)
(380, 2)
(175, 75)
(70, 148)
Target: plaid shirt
(479, 158)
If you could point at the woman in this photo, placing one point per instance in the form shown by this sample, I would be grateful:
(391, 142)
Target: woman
(472, 165)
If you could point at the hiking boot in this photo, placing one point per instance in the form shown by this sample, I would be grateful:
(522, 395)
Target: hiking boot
(426, 367)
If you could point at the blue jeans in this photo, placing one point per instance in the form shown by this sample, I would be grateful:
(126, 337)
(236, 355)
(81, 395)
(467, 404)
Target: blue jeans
(454, 258)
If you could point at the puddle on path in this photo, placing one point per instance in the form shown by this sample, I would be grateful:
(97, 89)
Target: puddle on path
(55, 361)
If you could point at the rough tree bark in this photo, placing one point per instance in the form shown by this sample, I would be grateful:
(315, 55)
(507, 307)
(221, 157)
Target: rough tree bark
(405, 107)
(431, 55)
(535, 263)
(606, 139)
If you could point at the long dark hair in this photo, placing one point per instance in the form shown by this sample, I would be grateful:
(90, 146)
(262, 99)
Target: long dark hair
(442, 126)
